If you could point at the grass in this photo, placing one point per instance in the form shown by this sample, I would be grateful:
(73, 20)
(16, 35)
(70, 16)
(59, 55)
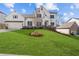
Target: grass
(50, 44)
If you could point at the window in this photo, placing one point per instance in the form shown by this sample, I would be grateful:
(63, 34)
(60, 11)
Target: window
(51, 16)
(41, 8)
(38, 23)
(45, 15)
(38, 10)
(52, 23)
(29, 23)
(38, 15)
(15, 16)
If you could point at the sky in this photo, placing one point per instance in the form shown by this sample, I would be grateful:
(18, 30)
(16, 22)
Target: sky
(64, 10)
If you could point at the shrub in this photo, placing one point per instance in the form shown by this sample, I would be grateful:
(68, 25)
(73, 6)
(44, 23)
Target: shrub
(36, 34)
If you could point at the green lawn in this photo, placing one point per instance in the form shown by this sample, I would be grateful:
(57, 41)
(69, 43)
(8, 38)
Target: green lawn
(50, 44)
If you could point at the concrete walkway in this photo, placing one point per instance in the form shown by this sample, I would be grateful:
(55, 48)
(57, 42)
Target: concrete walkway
(4, 30)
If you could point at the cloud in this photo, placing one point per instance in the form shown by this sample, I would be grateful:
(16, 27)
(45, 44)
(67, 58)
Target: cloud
(9, 5)
(64, 14)
(48, 6)
(72, 7)
(51, 6)
(67, 16)
(30, 4)
(23, 10)
(11, 9)
(76, 5)
(71, 13)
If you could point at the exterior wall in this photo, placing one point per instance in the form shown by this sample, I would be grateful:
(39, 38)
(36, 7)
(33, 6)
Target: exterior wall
(29, 19)
(74, 28)
(45, 19)
(64, 31)
(54, 20)
(14, 25)
(37, 20)
(46, 16)
(43, 12)
(10, 17)
(50, 20)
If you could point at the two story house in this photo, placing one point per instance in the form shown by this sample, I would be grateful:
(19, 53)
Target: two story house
(40, 18)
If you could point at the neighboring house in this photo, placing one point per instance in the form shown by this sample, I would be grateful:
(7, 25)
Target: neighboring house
(2, 17)
(3, 26)
(40, 18)
(74, 20)
(68, 28)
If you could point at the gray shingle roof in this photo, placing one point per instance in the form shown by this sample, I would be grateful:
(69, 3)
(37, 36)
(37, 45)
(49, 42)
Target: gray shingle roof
(51, 12)
(66, 25)
(30, 15)
(2, 12)
(73, 18)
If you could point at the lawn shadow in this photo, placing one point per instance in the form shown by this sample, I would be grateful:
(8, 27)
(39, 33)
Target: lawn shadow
(71, 36)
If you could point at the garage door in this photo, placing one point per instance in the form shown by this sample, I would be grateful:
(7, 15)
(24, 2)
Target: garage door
(64, 31)
(14, 25)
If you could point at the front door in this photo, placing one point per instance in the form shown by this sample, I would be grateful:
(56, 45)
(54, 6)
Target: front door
(46, 23)
(38, 24)
(52, 24)
(29, 23)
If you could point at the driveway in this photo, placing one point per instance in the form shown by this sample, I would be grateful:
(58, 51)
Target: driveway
(4, 30)
(7, 30)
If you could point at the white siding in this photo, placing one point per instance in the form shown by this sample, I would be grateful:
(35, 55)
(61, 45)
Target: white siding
(46, 17)
(29, 19)
(14, 25)
(64, 31)
(10, 17)
(54, 19)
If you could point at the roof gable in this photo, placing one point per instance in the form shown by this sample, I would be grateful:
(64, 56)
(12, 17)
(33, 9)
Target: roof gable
(67, 25)
(73, 19)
